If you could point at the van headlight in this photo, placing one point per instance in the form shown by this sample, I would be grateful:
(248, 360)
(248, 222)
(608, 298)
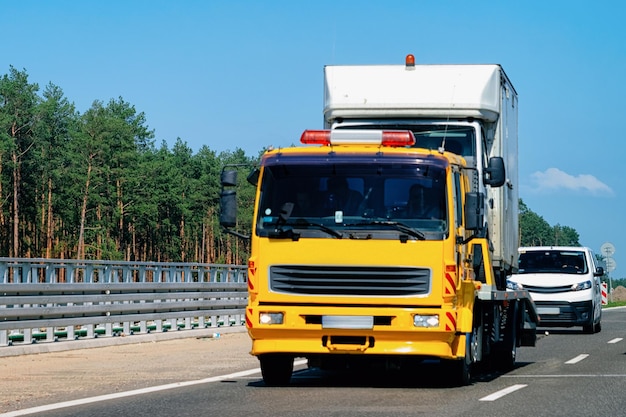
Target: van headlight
(512, 285)
(582, 286)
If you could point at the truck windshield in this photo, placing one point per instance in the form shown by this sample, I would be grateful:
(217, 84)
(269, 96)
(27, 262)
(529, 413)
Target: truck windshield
(356, 198)
(552, 261)
(458, 139)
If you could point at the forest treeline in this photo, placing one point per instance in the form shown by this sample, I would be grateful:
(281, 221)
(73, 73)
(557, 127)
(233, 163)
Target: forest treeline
(95, 186)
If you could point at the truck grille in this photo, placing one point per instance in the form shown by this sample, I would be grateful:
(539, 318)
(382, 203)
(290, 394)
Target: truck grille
(358, 281)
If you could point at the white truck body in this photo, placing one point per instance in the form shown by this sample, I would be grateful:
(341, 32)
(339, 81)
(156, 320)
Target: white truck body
(477, 99)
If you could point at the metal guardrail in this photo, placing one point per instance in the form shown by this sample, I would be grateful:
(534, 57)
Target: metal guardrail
(56, 299)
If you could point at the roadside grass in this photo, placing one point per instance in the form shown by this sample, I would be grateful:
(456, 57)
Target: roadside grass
(615, 304)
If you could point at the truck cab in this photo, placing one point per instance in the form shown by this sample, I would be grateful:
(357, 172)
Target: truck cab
(365, 248)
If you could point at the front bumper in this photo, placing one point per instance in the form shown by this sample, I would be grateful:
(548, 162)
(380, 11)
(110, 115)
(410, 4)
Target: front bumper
(393, 333)
(565, 314)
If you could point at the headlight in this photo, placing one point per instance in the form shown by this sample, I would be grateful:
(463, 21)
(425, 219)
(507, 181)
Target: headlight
(420, 320)
(271, 318)
(581, 286)
(512, 285)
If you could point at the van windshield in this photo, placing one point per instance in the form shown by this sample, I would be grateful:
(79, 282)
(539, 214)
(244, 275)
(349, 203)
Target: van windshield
(552, 261)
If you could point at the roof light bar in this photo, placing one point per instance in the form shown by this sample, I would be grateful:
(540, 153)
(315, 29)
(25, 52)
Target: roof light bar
(315, 137)
(395, 138)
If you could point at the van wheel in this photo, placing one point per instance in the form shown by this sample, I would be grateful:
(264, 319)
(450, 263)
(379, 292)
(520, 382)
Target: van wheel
(276, 369)
(598, 327)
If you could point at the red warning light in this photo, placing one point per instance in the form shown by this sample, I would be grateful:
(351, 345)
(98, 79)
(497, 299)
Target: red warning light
(410, 60)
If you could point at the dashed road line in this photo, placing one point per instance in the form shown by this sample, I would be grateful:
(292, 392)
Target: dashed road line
(616, 340)
(499, 394)
(534, 376)
(577, 359)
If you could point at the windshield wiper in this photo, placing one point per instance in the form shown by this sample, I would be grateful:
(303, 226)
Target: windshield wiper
(303, 223)
(284, 227)
(396, 225)
(283, 233)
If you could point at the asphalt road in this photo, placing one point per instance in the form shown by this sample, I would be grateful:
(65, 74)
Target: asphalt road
(568, 374)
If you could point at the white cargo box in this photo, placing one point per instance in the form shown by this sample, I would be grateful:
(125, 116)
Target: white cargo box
(372, 91)
(422, 94)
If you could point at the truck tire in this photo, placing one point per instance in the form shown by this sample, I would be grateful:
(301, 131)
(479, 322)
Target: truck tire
(457, 372)
(276, 369)
(505, 352)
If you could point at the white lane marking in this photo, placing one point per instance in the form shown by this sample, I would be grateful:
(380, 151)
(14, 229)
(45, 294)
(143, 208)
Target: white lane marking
(566, 376)
(117, 395)
(616, 340)
(577, 359)
(499, 394)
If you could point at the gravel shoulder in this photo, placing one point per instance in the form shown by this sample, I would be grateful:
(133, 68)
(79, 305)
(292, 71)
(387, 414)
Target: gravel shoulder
(50, 373)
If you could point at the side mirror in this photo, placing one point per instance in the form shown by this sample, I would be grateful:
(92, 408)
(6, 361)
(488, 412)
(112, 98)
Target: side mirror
(228, 202)
(228, 199)
(228, 208)
(474, 211)
(599, 271)
(253, 177)
(495, 174)
(228, 178)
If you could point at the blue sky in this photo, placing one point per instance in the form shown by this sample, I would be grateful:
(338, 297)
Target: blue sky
(248, 74)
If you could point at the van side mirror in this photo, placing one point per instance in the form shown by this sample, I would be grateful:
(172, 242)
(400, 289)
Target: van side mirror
(474, 211)
(599, 271)
(495, 174)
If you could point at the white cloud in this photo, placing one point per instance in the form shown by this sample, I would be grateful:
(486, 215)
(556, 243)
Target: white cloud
(555, 179)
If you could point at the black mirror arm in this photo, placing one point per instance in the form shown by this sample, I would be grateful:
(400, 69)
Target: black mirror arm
(235, 233)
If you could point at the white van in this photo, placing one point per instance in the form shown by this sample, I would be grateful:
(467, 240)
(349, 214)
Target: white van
(564, 282)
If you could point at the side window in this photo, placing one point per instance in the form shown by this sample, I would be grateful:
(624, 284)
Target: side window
(458, 208)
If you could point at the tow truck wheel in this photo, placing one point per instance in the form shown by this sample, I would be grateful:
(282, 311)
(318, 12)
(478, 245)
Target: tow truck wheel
(506, 351)
(458, 371)
(276, 369)
(506, 354)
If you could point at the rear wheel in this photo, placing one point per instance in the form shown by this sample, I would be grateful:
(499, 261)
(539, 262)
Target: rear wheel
(505, 352)
(276, 369)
